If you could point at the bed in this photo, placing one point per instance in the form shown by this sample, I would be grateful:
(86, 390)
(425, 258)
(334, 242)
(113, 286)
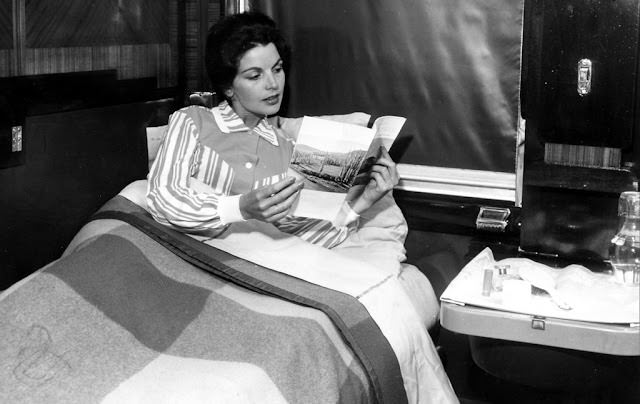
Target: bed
(136, 312)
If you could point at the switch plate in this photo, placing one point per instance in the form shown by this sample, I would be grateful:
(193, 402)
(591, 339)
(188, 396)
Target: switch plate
(16, 139)
(12, 147)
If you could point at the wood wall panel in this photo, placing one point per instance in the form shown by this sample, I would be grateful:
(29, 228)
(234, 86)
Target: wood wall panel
(73, 23)
(78, 35)
(138, 39)
(6, 57)
(196, 22)
(6, 25)
(131, 61)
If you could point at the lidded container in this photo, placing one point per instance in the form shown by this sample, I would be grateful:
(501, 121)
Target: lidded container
(624, 253)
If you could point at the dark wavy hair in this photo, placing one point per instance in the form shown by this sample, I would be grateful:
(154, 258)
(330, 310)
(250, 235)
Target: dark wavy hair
(230, 38)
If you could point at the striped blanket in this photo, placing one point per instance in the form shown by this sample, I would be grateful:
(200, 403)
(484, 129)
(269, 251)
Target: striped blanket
(134, 315)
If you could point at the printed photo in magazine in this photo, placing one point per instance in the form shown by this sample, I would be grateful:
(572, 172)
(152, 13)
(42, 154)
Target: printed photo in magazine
(329, 156)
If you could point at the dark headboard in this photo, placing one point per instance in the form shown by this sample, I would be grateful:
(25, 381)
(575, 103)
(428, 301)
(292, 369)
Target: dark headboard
(74, 161)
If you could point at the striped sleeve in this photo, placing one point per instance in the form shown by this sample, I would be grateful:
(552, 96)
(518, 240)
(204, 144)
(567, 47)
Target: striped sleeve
(170, 199)
(317, 231)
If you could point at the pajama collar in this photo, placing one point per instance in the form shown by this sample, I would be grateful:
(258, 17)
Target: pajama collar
(229, 122)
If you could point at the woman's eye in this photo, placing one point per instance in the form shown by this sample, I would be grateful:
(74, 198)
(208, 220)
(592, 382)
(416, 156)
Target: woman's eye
(254, 77)
(277, 69)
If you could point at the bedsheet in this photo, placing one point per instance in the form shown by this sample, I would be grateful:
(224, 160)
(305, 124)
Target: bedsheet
(122, 318)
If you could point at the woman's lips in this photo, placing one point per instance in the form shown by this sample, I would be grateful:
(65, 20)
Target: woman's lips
(273, 99)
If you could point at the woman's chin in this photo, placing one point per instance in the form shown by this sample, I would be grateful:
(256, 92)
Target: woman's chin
(272, 109)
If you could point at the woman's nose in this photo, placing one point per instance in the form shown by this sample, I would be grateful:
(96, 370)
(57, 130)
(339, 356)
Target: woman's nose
(271, 82)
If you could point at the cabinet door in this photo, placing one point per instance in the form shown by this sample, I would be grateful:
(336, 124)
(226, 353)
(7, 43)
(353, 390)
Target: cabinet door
(603, 33)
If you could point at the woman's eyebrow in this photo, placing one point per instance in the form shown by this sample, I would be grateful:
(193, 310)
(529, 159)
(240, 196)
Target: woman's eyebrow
(279, 61)
(248, 69)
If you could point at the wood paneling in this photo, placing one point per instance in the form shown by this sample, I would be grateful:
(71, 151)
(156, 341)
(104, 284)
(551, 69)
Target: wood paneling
(73, 23)
(131, 61)
(138, 38)
(197, 25)
(6, 25)
(5, 62)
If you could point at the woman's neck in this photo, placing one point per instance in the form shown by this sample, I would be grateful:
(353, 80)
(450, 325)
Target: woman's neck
(249, 118)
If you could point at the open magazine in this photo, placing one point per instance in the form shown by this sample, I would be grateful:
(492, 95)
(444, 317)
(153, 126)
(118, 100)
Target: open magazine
(329, 156)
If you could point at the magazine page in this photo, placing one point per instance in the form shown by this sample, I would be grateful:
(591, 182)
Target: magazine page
(386, 129)
(327, 157)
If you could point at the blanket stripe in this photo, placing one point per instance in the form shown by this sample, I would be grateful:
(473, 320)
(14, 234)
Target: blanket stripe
(349, 316)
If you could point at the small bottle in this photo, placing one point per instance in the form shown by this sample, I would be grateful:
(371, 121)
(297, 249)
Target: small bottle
(503, 272)
(624, 252)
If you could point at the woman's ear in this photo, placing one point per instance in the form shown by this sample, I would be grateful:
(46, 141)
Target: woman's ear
(228, 93)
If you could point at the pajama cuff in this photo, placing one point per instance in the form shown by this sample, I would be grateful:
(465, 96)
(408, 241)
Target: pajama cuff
(229, 209)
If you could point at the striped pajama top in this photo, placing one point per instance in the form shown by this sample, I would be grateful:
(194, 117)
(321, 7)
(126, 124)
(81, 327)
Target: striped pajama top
(215, 147)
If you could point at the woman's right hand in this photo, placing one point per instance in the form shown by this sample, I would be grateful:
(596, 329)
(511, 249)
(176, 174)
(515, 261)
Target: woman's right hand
(270, 203)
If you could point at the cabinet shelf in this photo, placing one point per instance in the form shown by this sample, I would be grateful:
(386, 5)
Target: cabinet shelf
(580, 178)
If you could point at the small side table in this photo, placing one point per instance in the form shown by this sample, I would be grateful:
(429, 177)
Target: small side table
(581, 358)
(609, 339)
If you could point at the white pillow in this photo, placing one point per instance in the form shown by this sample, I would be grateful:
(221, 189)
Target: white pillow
(155, 134)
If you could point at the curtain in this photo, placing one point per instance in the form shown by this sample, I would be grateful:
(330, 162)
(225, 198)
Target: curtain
(452, 67)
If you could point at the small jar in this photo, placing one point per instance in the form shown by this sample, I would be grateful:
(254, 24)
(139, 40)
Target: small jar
(501, 272)
(624, 252)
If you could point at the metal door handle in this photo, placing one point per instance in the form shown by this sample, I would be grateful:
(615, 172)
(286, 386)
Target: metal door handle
(584, 77)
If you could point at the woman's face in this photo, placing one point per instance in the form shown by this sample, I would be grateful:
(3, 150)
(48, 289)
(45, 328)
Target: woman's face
(257, 89)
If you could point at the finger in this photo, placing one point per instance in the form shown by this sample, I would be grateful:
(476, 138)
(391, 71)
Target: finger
(391, 175)
(385, 159)
(379, 180)
(286, 193)
(392, 170)
(279, 211)
(382, 184)
(277, 187)
(264, 196)
(282, 206)
(384, 152)
(277, 217)
(290, 200)
(384, 172)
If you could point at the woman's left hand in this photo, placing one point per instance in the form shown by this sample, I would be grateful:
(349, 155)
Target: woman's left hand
(383, 177)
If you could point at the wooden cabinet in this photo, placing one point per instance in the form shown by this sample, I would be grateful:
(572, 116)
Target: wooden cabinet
(580, 98)
(561, 34)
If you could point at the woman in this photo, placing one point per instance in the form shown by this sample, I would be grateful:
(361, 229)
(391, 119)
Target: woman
(240, 149)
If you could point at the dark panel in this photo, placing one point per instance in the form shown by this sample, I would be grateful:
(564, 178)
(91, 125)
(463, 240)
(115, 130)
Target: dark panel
(40, 94)
(569, 223)
(65, 23)
(455, 215)
(23, 96)
(75, 161)
(569, 207)
(558, 36)
(6, 25)
(450, 66)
